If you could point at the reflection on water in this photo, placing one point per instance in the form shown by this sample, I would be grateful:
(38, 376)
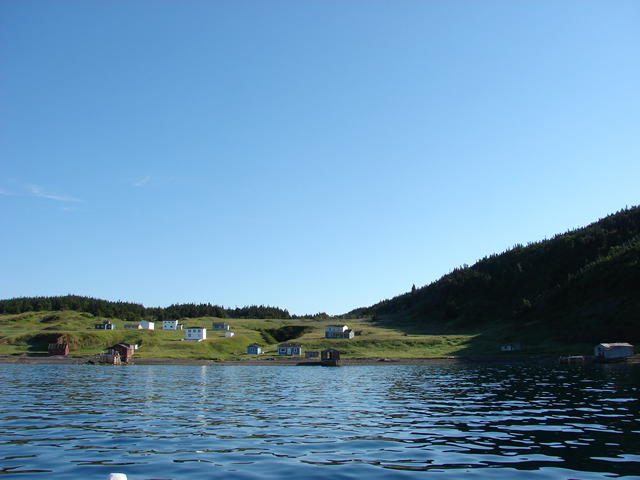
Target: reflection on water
(64, 421)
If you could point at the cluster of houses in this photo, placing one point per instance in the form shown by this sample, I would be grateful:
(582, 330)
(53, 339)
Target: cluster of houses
(330, 356)
(196, 334)
(604, 352)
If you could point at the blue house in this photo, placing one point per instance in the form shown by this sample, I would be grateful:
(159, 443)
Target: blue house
(289, 350)
(254, 350)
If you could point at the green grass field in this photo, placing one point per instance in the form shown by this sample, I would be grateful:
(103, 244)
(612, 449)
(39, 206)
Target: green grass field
(31, 333)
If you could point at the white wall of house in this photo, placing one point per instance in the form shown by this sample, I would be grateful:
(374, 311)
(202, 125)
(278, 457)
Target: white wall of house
(229, 334)
(170, 324)
(195, 333)
(146, 325)
(338, 331)
(614, 350)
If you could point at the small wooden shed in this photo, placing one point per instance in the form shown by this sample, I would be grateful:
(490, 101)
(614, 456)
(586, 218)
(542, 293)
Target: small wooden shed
(330, 356)
(254, 350)
(124, 350)
(58, 349)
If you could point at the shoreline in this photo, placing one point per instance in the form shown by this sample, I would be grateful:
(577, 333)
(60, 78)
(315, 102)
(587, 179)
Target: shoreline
(44, 359)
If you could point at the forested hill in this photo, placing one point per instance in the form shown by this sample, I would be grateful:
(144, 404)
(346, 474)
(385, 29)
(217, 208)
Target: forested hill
(580, 286)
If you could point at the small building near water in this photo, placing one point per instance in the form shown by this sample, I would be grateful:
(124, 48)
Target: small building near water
(312, 354)
(613, 351)
(254, 350)
(330, 356)
(289, 350)
(511, 347)
(124, 350)
(58, 349)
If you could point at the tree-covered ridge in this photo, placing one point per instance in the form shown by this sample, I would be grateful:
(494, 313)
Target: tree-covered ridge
(583, 285)
(135, 311)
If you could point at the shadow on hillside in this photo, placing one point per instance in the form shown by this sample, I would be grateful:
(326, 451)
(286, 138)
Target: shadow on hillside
(40, 342)
(419, 327)
(487, 342)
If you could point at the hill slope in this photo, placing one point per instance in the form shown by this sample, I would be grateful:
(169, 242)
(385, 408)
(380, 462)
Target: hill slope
(580, 286)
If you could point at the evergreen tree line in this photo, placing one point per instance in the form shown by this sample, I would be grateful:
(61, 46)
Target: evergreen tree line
(135, 311)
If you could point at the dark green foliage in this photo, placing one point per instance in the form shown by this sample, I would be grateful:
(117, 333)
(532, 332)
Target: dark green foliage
(580, 286)
(134, 311)
(93, 306)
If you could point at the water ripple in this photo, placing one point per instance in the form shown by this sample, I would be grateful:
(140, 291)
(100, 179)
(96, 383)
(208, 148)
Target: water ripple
(389, 421)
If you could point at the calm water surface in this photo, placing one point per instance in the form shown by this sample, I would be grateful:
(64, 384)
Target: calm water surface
(388, 421)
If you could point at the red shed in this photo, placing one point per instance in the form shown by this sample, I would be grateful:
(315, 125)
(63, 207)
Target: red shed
(58, 349)
(125, 351)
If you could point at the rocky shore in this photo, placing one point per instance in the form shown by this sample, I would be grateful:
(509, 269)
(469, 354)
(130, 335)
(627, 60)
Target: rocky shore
(36, 359)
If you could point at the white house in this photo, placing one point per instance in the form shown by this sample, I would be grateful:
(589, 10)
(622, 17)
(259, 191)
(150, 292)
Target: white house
(170, 325)
(338, 331)
(146, 325)
(229, 334)
(614, 351)
(287, 349)
(196, 334)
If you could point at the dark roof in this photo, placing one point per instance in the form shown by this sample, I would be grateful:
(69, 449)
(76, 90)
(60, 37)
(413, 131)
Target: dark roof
(289, 345)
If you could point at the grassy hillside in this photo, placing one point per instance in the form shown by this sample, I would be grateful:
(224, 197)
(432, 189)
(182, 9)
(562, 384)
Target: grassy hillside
(31, 333)
(582, 286)
(558, 296)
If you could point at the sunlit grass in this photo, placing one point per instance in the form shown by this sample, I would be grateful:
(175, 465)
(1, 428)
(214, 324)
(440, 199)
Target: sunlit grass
(30, 332)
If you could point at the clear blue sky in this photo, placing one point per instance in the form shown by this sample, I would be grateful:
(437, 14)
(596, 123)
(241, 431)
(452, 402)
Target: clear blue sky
(311, 155)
